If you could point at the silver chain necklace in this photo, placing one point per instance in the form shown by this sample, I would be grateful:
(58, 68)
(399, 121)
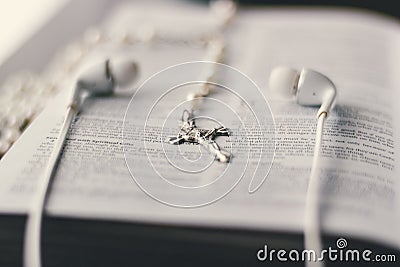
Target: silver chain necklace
(189, 132)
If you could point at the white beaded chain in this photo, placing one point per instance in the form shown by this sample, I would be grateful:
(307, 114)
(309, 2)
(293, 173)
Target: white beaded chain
(225, 11)
(24, 95)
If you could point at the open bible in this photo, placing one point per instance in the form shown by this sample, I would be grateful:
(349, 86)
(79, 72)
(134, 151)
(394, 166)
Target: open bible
(98, 216)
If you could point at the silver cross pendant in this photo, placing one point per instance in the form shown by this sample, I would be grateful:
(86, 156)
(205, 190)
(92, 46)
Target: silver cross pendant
(189, 133)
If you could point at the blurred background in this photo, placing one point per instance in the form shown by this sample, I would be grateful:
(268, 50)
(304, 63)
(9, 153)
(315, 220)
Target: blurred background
(21, 20)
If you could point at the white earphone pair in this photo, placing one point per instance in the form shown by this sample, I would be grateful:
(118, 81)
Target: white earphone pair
(310, 88)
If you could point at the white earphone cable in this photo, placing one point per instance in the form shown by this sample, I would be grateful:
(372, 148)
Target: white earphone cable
(32, 242)
(312, 232)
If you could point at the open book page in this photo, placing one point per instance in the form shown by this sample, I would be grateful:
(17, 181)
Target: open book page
(359, 176)
(359, 192)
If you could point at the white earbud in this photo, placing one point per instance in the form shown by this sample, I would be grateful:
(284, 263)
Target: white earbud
(98, 80)
(103, 78)
(310, 87)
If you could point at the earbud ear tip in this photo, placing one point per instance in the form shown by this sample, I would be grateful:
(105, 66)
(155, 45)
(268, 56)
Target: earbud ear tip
(282, 81)
(95, 80)
(124, 72)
